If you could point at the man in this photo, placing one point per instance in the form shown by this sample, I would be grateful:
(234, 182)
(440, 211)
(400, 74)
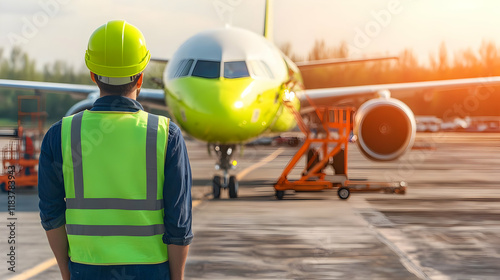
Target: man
(115, 181)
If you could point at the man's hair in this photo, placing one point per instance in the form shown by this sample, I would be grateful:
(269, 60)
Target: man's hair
(116, 90)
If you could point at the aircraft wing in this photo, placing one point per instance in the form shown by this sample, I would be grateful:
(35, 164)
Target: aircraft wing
(46, 86)
(333, 61)
(350, 96)
(149, 97)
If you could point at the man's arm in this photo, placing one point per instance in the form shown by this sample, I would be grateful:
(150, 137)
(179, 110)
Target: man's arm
(51, 193)
(177, 256)
(58, 241)
(177, 200)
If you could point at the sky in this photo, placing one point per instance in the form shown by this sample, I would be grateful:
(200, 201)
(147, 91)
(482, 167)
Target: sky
(52, 30)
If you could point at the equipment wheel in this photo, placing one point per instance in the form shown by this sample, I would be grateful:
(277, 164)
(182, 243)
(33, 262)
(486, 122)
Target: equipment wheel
(343, 193)
(280, 195)
(233, 187)
(216, 186)
(400, 190)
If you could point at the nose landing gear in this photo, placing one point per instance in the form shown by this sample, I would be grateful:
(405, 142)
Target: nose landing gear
(224, 154)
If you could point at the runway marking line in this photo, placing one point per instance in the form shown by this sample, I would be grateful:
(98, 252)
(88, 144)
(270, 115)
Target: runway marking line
(35, 270)
(405, 259)
(264, 161)
(51, 262)
(196, 202)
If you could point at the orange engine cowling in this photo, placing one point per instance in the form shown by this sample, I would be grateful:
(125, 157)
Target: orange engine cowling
(385, 128)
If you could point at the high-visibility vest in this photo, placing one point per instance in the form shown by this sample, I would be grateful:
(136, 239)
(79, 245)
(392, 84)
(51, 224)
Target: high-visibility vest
(113, 168)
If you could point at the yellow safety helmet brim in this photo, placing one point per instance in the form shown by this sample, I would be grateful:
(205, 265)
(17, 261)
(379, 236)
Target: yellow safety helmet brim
(117, 49)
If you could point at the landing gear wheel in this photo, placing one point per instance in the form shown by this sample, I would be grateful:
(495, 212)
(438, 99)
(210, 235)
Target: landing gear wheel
(343, 193)
(280, 195)
(216, 186)
(233, 187)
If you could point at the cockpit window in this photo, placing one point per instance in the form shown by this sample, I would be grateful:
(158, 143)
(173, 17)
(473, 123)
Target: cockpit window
(186, 68)
(235, 69)
(260, 69)
(183, 68)
(207, 69)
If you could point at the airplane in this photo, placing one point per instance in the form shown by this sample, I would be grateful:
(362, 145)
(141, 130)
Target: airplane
(228, 86)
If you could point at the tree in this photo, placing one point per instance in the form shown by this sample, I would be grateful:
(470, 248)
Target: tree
(19, 66)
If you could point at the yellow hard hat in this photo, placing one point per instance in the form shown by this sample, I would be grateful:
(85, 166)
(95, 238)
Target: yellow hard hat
(117, 49)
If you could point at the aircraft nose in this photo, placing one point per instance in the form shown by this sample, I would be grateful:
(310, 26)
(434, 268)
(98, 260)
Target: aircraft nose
(219, 111)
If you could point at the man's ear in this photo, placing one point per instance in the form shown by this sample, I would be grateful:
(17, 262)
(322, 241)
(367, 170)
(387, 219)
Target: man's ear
(92, 76)
(139, 81)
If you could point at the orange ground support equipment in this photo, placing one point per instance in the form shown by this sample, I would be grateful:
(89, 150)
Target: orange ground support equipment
(327, 145)
(20, 156)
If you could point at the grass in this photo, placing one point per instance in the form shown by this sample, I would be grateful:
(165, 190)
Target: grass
(7, 123)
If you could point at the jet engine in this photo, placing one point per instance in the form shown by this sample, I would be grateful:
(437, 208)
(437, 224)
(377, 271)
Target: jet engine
(385, 128)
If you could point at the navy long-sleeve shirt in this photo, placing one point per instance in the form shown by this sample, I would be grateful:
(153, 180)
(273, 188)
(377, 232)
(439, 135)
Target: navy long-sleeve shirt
(176, 190)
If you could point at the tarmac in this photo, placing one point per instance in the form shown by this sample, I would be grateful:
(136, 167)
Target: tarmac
(447, 225)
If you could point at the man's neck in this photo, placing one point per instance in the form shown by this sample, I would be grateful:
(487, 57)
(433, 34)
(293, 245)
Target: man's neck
(131, 95)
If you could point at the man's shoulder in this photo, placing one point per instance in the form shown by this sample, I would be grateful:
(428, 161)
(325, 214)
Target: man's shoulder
(173, 128)
(52, 138)
(55, 128)
(174, 132)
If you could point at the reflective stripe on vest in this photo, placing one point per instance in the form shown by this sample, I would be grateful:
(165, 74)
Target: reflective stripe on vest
(115, 230)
